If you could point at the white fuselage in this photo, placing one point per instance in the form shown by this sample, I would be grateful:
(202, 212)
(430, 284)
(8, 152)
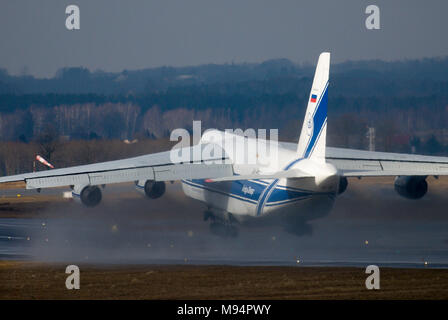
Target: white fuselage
(306, 198)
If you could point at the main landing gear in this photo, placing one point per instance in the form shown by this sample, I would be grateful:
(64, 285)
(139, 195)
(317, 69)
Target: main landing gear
(221, 226)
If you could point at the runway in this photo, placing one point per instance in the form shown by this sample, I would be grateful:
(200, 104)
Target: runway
(369, 225)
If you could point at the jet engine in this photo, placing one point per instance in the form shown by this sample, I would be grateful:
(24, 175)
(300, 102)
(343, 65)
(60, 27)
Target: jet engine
(343, 183)
(90, 196)
(411, 187)
(152, 189)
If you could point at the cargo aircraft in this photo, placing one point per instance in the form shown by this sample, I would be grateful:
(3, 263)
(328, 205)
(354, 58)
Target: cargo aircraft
(299, 186)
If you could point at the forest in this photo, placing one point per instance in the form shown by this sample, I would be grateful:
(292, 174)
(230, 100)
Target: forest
(405, 101)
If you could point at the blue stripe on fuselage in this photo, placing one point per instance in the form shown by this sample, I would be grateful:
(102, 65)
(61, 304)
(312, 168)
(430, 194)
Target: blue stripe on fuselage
(242, 190)
(265, 194)
(205, 187)
(281, 195)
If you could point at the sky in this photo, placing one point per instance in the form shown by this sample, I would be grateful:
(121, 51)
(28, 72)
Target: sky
(115, 35)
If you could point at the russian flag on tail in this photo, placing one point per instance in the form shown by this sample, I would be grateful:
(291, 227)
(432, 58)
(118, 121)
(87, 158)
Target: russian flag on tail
(313, 98)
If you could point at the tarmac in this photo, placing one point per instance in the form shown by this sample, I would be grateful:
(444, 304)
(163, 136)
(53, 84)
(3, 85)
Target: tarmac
(128, 236)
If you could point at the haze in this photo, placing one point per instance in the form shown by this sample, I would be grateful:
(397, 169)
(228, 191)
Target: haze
(117, 35)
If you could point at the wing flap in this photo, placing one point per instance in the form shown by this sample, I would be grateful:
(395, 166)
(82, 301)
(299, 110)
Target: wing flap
(363, 163)
(294, 173)
(192, 171)
(57, 181)
(388, 173)
(163, 173)
(158, 166)
(98, 178)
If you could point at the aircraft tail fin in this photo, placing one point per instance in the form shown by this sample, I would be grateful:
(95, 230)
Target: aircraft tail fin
(312, 141)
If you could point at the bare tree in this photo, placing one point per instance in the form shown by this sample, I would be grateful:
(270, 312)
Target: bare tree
(48, 141)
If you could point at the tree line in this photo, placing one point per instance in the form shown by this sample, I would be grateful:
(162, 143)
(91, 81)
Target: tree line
(406, 102)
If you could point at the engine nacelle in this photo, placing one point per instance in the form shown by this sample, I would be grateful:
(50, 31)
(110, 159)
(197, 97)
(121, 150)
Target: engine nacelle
(90, 196)
(411, 187)
(150, 188)
(343, 183)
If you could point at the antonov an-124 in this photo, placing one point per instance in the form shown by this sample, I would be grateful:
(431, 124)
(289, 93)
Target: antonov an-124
(299, 184)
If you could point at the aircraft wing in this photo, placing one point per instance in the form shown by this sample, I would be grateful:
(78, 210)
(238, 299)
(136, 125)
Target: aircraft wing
(157, 166)
(359, 163)
(293, 173)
